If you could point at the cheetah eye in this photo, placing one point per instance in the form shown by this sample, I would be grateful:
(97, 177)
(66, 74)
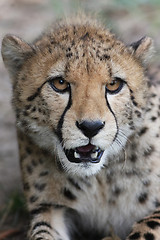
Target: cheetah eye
(59, 84)
(115, 85)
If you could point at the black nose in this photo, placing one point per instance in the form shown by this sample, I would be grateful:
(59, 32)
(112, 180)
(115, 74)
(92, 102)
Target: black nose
(90, 128)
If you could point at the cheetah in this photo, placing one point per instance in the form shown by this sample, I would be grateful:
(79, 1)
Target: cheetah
(88, 128)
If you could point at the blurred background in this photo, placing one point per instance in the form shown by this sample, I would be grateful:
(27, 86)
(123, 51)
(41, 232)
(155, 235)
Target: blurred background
(130, 20)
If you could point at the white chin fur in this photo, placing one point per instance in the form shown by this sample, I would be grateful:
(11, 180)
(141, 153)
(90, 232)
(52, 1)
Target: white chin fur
(80, 169)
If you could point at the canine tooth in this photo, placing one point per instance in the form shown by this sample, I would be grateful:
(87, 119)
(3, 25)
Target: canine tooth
(94, 155)
(76, 155)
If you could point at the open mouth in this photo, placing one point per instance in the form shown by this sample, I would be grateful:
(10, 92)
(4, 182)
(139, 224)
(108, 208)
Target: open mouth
(88, 153)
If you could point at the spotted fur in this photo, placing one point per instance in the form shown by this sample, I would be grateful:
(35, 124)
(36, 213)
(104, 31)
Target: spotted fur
(86, 199)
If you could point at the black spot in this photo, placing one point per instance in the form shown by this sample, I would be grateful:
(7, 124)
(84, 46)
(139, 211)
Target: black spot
(138, 113)
(112, 202)
(143, 131)
(33, 109)
(39, 238)
(68, 49)
(149, 151)
(24, 123)
(75, 184)
(29, 169)
(60, 166)
(146, 183)
(17, 114)
(53, 41)
(157, 203)
(117, 191)
(68, 55)
(153, 95)
(28, 150)
(26, 186)
(33, 199)
(130, 173)
(131, 91)
(40, 187)
(148, 109)
(41, 161)
(25, 114)
(85, 36)
(44, 173)
(68, 194)
(133, 158)
(143, 198)
(35, 118)
(27, 107)
(134, 236)
(153, 118)
(153, 224)
(133, 100)
(135, 103)
(49, 50)
(34, 163)
(149, 236)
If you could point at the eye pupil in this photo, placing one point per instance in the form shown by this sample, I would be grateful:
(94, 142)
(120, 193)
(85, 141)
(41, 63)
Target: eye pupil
(113, 82)
(61, 81)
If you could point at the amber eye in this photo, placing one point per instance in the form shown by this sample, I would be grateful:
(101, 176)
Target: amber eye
(59, 84)
(115, 85)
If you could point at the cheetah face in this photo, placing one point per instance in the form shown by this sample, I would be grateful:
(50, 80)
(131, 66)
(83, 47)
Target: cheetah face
(86, 128)
(86, 123)
(79, 101)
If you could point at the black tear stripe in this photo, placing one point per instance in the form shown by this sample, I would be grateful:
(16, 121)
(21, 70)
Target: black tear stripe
(108, 105)
(60, 123)
(33, 96)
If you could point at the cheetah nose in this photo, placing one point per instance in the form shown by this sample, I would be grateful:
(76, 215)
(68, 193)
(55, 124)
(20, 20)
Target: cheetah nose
(90, 128)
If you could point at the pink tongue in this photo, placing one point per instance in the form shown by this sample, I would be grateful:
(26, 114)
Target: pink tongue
(86, 148)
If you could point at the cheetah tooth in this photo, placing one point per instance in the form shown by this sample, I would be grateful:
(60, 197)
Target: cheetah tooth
(76, 155)
(94, 155)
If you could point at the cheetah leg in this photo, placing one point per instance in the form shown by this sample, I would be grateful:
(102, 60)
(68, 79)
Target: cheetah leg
(147, 229)
(48, 224)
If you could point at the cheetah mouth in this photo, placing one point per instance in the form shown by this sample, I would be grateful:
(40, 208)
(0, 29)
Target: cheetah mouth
(88, 153)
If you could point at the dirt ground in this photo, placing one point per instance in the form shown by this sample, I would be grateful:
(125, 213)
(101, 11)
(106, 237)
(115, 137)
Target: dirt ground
(27, 18)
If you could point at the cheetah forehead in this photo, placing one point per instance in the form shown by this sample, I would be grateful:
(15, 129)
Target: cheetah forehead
(83, 44)
(79, 35)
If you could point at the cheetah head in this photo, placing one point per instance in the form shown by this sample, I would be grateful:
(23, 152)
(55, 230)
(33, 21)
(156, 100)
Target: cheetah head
(78, 92)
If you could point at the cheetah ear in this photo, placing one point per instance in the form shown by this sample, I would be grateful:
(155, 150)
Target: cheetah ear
(14, 53)
(143, 49)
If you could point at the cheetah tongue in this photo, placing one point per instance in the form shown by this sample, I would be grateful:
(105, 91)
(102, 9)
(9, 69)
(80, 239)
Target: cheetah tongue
(85, 149)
